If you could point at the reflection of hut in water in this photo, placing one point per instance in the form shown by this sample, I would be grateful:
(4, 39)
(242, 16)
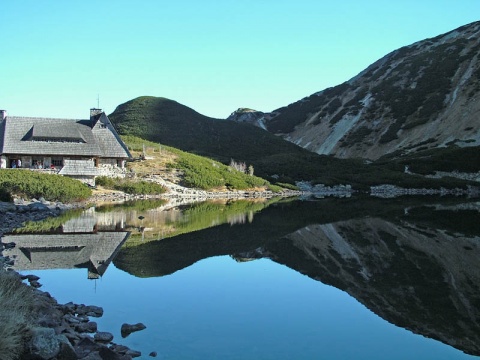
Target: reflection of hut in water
(93, 251)
(90, 240)
(81, 243)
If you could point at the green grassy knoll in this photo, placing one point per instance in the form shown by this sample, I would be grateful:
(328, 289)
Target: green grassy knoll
(168, 122)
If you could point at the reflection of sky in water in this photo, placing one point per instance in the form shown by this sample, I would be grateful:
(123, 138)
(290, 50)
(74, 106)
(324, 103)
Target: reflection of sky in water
(221, 309)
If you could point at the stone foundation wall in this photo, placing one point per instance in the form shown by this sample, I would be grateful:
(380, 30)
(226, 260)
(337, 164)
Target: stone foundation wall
(112, 168)
(89, 180)
(111, 171)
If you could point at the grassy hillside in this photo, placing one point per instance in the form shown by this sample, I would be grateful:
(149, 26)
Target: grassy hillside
(189, 169)
(169, 123)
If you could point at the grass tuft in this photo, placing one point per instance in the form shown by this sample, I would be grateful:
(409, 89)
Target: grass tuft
(16, 303)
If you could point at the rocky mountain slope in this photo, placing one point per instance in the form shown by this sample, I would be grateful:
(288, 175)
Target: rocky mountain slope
(425, 95)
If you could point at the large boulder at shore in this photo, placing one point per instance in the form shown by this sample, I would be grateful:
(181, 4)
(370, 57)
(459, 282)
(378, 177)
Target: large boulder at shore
(67, 352)
(89, 310)
(37, 206)
(103, 336)
(44, 343)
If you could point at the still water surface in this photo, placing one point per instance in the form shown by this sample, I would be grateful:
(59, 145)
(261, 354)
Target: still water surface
(297, 280)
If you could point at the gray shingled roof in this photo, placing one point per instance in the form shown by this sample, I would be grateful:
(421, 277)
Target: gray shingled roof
(107, 137)
(46, 136)
(60, 131)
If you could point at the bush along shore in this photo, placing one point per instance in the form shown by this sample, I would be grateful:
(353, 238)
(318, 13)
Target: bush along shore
(33, 324)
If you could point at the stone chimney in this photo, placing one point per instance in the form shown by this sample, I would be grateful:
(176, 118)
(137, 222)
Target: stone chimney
(3, 114)
(94, 115)
(94, 112)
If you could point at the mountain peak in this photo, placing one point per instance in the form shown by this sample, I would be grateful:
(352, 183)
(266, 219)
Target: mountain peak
(423, 95)
(249, 116)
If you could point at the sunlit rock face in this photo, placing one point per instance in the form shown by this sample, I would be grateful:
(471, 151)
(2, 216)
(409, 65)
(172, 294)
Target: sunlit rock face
(424, 95)
(249, 116)
(426, 280)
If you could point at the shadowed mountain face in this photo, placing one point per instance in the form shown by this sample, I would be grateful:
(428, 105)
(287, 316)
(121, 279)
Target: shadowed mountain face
(420, 96)
(415, 266)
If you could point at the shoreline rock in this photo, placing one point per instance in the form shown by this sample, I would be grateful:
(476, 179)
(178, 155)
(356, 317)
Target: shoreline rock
(127, 329)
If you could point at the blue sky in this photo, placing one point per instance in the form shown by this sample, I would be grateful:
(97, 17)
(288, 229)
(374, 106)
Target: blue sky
(213, 56)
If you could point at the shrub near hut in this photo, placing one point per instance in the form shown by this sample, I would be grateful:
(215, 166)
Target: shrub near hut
(30, 184)
(131, 187)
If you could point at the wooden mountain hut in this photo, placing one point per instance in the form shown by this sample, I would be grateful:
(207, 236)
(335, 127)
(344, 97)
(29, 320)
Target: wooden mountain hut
(82, 149)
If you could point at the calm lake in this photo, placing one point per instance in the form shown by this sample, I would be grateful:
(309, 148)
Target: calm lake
(271, 279)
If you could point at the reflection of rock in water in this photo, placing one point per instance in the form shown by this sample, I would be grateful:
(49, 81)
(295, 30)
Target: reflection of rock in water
(93, 251)
(421, 279)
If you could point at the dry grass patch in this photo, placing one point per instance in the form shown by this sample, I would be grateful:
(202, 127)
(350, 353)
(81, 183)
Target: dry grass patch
(16, 304)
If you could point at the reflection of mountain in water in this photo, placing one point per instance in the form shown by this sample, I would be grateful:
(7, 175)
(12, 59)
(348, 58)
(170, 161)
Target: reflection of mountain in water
(81, 242)
(421, 279)
(416, 267)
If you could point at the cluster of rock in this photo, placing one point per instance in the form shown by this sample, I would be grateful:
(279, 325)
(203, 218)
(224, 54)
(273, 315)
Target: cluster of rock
(456, 174)
(66, 332)
(320, 190)
(175, 191)
(237, 194)
(119, 196)
(391, 191)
